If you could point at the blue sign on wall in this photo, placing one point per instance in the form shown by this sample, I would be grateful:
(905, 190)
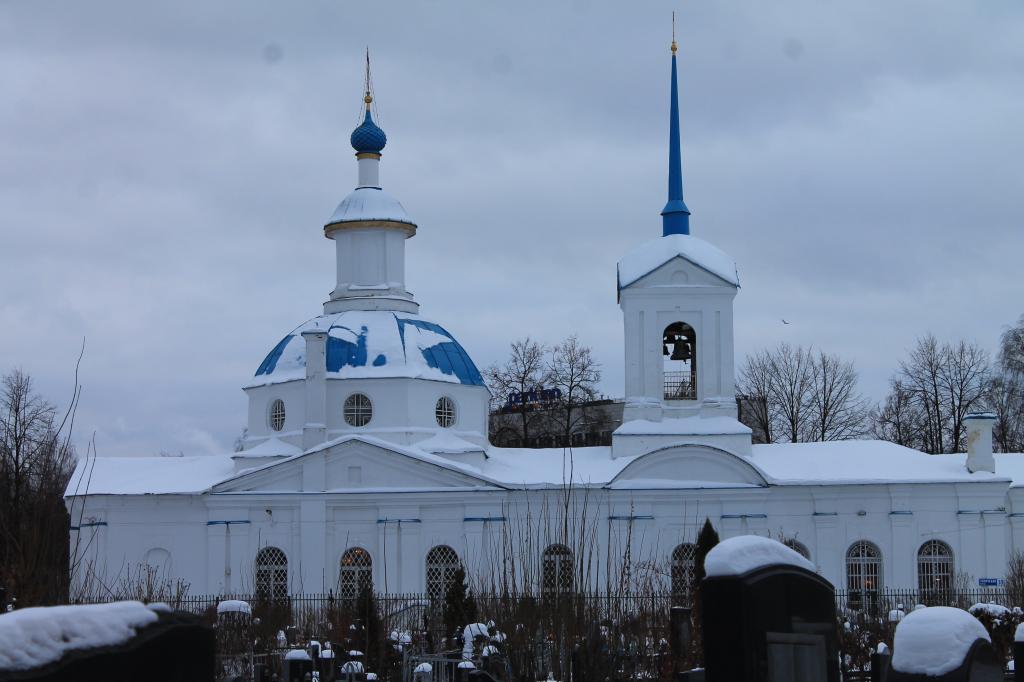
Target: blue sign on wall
(990, 582)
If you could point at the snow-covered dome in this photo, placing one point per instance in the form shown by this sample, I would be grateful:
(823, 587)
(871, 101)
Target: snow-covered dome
(369, 203)
(373, 344)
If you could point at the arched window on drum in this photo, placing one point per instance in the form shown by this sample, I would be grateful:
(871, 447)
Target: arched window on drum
(679, 348)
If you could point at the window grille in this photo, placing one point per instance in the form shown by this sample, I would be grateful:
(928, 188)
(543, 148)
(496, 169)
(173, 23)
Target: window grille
(557, 570)
(271, 573)
(444, 412)
(358, 410)
(442, 566)
(935, 571)
(684, 560)
(863, 574)
(277, 415)
(356, 573)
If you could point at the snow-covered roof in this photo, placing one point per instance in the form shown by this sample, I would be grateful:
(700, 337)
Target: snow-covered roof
(373, 344)
(649, 256)
(697, 426)
(746, 553)
(834, 463)
(148, 475)
(369, 203)
(31, 638)
(868, 461)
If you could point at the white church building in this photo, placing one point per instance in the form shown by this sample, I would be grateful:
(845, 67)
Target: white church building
(367, 454)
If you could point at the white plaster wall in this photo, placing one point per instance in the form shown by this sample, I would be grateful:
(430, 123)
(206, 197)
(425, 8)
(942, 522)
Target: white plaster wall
(398, 529)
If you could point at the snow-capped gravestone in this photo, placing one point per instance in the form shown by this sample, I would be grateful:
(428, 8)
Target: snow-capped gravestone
(116, 642)
(766, 615)
(943, 644)
(296, 664)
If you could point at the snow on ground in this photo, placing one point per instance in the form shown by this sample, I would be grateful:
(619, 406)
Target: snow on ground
(935, 640)
(746, 553)
(34, 637)
(651, 255)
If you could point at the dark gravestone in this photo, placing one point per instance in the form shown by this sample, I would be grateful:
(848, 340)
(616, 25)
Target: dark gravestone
(979, 665)
(175, 648)
(775, 623)
(1018, 661)
(296, 664)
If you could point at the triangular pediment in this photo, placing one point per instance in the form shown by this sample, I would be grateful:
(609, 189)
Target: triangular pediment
(356, 465)
(680, 271)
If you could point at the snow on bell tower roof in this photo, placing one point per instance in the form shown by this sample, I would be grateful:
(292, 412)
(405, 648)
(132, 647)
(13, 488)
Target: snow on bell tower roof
(651, 255)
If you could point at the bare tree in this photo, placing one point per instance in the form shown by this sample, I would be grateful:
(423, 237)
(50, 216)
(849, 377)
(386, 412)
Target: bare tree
(573, 370)
(1006, 391)
(837, 410)
(524, 371)
(792, 382)
(36, 459)
(755, 387)
(900, 418)
(934, 389)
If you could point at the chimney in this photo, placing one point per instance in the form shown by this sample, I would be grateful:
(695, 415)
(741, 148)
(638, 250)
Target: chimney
(314, 429)
(979, 442)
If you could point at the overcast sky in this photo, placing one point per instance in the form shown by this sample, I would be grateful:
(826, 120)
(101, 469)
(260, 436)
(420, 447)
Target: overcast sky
(166, 169)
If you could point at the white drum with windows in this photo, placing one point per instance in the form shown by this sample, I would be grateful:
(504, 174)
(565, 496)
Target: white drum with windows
(276, 415)
(444, 412)
(358, 410)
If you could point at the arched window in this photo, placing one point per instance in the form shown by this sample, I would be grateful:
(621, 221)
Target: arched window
(358, 410)
(271, 573)
(679, 346)
(557, 570)
(442, 566)
(684, 560)
(863, 574)
(935, 571)
(276, 415)
(798, 547)
(444, 412)
(356, 573)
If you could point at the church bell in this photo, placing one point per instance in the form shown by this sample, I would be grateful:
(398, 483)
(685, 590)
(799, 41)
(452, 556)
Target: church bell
(680, 349)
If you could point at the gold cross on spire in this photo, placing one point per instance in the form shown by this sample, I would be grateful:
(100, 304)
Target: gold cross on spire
(673, 32)
(369, 97)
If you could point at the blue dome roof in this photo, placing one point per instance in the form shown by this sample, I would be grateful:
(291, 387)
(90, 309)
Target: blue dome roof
(368, 137)
(365, 344)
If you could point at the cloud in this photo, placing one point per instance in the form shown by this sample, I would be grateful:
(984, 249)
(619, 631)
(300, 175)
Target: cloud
(168, 169)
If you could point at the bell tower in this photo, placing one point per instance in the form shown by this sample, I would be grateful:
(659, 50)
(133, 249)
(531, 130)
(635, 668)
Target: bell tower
(676, 293)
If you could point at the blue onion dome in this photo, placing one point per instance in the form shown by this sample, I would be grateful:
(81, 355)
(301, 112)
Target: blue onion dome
(368, 137)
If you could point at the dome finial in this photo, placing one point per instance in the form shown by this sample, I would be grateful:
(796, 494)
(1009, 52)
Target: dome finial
(368, 138)
(369, 91)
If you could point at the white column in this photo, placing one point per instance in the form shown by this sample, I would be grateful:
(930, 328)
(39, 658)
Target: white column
(314, 429)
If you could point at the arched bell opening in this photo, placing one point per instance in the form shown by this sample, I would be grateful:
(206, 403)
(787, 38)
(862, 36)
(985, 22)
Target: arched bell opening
(679, 347)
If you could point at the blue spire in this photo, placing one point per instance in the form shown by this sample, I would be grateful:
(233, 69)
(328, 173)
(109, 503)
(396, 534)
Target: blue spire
(675, 217)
